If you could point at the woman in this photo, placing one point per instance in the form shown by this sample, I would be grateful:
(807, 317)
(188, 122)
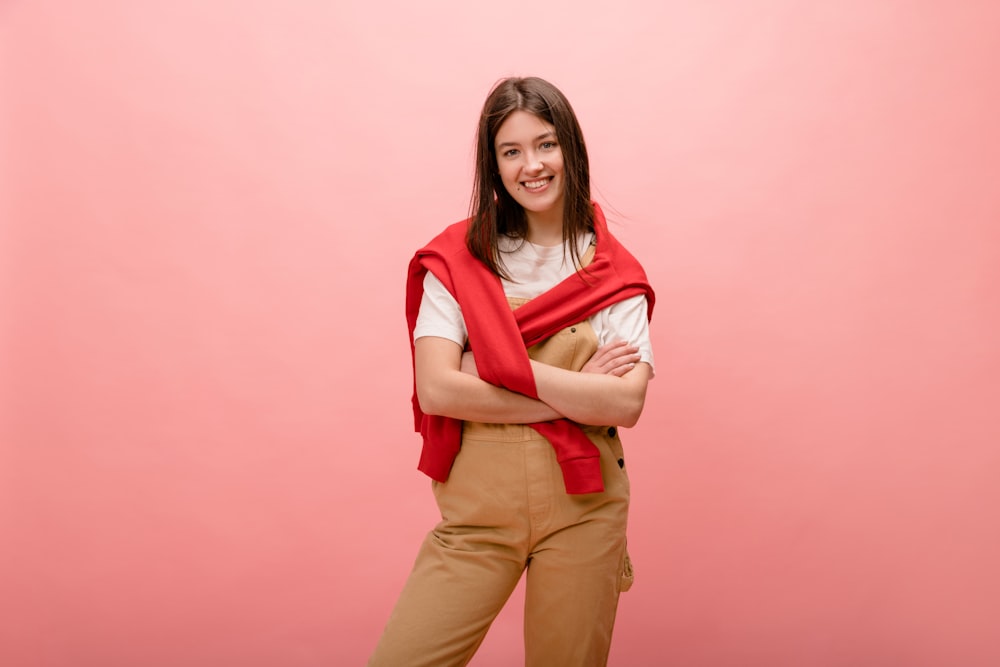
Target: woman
(529, 326)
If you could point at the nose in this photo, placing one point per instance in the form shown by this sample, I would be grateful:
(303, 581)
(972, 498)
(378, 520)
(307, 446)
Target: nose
(533, 163)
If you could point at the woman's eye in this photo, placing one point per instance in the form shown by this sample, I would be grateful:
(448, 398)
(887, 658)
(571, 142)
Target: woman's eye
(549, 145)
(511, 153)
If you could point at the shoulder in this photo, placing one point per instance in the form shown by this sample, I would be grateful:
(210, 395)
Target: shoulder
(449, 241)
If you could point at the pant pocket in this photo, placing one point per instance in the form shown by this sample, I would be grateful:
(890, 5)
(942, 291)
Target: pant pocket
(627, 577)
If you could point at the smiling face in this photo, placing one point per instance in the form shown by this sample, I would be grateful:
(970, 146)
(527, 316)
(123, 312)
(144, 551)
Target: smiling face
(530, 163)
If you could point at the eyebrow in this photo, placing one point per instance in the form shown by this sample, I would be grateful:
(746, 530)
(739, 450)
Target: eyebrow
(544, 135)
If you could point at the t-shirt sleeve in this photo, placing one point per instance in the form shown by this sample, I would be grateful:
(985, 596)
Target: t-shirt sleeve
(626, 320)
(439, 314)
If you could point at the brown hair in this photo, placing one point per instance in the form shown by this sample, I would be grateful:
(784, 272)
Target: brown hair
(493, 211)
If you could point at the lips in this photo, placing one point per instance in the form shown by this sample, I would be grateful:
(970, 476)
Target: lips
(536, 185)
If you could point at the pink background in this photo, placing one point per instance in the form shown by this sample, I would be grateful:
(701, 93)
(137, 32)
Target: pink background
(207, 210)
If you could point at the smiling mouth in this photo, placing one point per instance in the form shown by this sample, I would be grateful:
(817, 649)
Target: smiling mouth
(538, 184)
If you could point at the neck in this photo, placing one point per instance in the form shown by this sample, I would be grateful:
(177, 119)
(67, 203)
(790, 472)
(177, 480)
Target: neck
(545, 228)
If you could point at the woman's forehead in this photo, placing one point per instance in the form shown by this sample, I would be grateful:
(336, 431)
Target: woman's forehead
(523, 126)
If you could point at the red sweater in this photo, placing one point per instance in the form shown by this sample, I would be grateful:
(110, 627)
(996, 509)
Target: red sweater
(499, 337)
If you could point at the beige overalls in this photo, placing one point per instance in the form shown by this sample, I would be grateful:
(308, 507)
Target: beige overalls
(505, 509)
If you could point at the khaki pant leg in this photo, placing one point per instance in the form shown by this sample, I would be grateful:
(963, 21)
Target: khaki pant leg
(467, 566)
(575, 571)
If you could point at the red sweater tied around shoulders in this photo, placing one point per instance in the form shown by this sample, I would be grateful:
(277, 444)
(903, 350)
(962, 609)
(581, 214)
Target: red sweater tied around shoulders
(499, 338)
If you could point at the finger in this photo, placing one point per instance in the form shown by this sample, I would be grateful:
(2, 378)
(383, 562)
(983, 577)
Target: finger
(624, 364)
(613, 351)
(622, 370)
(602, 353)
(624, 359)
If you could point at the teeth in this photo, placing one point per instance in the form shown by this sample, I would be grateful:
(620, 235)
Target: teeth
(532, 185)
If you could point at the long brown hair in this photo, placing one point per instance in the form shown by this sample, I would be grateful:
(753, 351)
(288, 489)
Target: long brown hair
(493, 211)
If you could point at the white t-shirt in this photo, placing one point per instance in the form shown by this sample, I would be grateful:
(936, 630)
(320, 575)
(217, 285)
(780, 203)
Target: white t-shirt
(536, 269)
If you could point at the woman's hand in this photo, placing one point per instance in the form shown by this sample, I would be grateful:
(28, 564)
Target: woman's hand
(609, 389)
(616, 358)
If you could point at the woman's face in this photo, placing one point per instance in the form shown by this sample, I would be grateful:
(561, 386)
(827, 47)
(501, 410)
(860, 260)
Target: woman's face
(530, 163)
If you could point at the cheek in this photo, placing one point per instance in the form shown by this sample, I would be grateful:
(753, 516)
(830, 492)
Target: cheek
(509, 177)
(560, 164)
(503, 183)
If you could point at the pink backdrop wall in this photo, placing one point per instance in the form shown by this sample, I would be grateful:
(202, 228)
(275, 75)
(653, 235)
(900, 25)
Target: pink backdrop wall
(207, 209)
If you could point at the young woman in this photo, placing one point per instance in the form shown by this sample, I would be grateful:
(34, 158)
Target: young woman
(529, 326)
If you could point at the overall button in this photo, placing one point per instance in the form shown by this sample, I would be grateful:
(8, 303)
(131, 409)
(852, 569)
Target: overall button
(621, 463)
(572, 329)
(612, 431)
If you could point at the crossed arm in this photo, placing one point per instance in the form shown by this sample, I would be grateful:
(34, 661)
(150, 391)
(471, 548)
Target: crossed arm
(609, 390)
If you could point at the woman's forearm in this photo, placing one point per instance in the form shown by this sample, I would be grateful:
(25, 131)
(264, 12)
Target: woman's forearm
(590, 398)
(443, 389)
(463, 396)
